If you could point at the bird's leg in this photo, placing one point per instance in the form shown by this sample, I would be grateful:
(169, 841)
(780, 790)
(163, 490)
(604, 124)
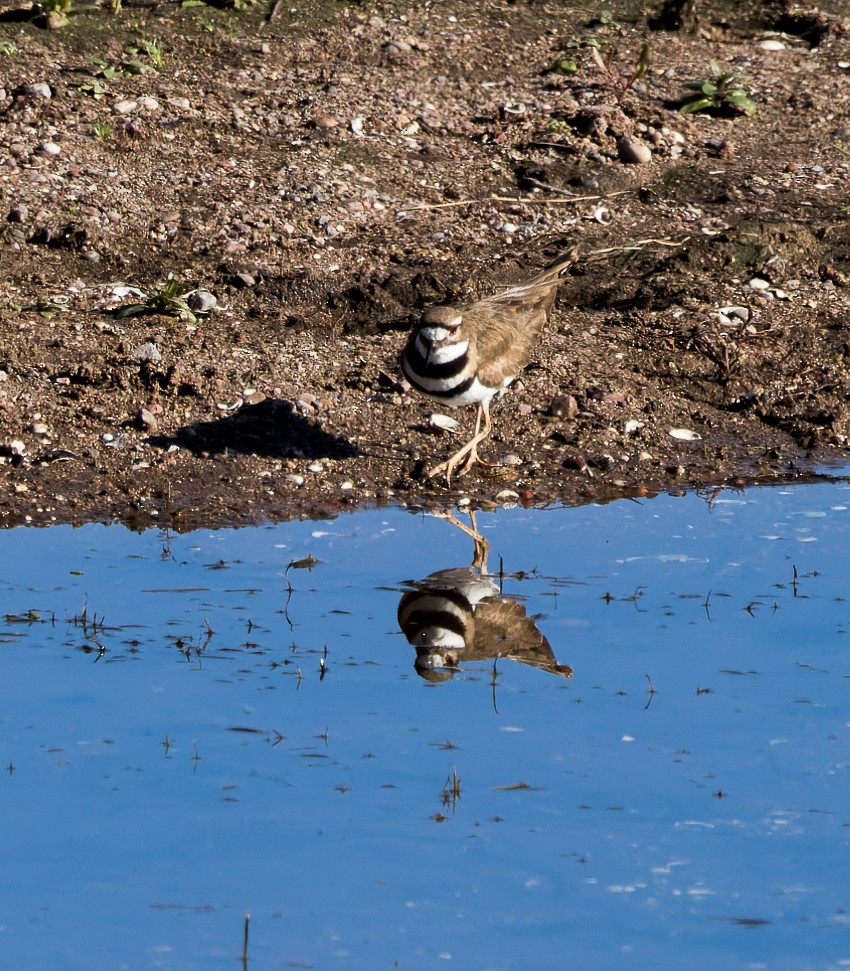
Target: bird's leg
(469, 451)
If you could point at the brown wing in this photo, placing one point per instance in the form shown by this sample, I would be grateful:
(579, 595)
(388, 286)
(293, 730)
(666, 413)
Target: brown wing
(507, 325)
(504, 629)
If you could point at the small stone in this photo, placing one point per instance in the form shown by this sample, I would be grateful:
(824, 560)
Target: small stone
(244, 280)
(49, 148)
(563, 406)
(147, 419)
(36, 90)
(396, 48)
(202, 301)
(125, 106)
(315, 467)
(21, 487)
(346, 486)
(325, 121)
(757, 283)
(17, 447)
(146, 352)
(253, 397)
(632, 151)
(297, 480)
(39, 428)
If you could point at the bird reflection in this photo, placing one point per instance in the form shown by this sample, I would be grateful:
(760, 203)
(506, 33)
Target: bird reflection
(461, 614)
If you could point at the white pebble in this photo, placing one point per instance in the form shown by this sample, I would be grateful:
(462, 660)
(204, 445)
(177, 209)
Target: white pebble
(685, 434)
(757, 283)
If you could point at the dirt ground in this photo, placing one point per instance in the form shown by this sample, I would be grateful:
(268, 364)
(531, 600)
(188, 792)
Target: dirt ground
(320, 171)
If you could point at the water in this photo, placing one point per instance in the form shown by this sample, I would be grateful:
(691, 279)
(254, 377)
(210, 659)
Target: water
(192, 727)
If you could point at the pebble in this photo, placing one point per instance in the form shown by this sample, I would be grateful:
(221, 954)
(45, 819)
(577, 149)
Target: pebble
(632, 151)
(125, 107)
(685, 435)
(315, 467)
(17, 447)
(146, 352)
(147, 418)
(297, 480)
(444, 422)
(48, 148)
(346, 486)
(563, 406)
(772, 45)
(757, 283)
(39, 428)
(202, 301)
(38, 89)
(326, 121)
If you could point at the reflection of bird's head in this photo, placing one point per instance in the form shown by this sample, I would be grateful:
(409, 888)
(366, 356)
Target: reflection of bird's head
(435, 664)
(438, 621)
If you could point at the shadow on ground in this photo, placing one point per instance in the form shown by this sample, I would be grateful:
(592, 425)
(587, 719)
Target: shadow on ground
(269, 428)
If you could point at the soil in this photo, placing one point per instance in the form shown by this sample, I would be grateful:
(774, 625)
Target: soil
(324, 170)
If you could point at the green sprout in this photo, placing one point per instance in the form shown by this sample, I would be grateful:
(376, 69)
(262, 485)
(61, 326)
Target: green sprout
(168, 300)
(54, 13)
(720, 92)
(102, 129)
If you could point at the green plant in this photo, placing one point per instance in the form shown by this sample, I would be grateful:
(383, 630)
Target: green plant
(8, 48)
(54, 13)
(721, 92)
(169, 300)
(102, 129)
(153, 51)
(564, 65)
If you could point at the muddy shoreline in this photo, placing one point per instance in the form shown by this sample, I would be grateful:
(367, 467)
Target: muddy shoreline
(210, 262)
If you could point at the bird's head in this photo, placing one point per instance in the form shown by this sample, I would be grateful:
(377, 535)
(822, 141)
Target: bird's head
(440, 325)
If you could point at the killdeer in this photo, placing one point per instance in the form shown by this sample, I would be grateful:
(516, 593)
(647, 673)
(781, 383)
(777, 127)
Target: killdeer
(467, 355)
(460, 614)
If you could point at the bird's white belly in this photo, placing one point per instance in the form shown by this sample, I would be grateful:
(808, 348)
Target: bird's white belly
(474, 394)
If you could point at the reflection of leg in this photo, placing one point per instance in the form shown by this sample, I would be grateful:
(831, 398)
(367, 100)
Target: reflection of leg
(482, 547)
(469, 451)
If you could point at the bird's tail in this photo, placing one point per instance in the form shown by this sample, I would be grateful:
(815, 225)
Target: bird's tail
(557, 268)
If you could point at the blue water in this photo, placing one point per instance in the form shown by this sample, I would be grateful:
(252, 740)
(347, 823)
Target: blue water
(190, 731)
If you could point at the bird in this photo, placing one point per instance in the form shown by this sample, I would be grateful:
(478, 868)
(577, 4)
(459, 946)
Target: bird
(460, 614)
(467, 355)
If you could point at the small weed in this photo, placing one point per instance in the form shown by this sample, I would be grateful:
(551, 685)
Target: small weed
(721, 92)
(557, 126)
(169, 300)
(8, 48)
(565, 65)
(102, 129)
(618, 81)
(450, 792)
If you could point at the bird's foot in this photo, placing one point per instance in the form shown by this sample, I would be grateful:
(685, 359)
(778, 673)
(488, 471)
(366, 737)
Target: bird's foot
(459, 464)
